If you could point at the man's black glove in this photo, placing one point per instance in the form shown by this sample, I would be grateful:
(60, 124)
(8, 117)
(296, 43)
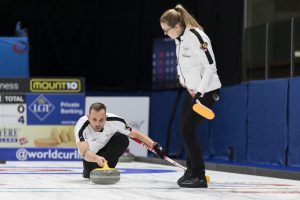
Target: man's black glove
(198, 96)
(159, 150)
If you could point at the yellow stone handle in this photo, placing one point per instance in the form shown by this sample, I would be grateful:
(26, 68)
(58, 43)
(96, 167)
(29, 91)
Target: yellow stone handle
(207, 178)
(105, 166)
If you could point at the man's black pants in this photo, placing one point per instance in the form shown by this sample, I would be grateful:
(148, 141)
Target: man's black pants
(111, 152)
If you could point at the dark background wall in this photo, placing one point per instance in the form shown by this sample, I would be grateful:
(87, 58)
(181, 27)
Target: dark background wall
(110, 42)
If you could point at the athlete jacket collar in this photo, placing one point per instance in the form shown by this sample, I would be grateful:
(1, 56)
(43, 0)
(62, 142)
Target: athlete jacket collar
(181, 36)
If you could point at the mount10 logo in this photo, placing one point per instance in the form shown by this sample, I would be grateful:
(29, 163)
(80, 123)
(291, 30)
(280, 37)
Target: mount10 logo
(55, 85)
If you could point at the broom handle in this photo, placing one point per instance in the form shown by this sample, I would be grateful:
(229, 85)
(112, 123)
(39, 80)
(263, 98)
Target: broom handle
(193, 95)
(166, 158)
(190, 91)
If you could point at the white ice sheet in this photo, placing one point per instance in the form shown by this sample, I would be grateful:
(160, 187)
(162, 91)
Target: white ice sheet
(63, 180)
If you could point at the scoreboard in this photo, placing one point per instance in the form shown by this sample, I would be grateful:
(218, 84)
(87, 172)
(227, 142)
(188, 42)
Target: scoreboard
(13, 109)
(164, 64)
(37, 117)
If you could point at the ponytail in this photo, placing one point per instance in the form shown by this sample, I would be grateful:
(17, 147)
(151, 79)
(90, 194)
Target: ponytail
(188, 19)
(179, 15)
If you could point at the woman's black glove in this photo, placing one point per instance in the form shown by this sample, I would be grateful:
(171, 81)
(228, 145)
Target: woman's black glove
(198, 96)
(159, 150)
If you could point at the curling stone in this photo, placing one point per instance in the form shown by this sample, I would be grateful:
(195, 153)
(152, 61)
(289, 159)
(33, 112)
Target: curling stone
(105, 175)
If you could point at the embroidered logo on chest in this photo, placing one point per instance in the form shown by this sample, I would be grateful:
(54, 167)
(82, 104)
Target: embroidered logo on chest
(186, 52)
(185, 48)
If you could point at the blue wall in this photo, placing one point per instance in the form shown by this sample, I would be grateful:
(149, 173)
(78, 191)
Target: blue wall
(267, 121)
(228, 129)
(257, 121)
(293, 123)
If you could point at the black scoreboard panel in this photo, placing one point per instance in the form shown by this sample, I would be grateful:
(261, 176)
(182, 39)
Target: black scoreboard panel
(164, 64)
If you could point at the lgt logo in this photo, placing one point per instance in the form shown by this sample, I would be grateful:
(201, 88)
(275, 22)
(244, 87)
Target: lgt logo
(41, 107)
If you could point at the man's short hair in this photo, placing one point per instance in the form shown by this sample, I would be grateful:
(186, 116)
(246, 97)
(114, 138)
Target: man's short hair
(97, 106)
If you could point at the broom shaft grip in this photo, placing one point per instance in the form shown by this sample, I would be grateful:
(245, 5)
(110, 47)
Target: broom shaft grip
(166, 158)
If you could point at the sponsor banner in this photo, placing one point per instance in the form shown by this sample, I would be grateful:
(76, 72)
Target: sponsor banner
(14, 85)
(37, 136)
(57, 85)
(135, 111)
(42, 85)
(50, 109)
(39, 154)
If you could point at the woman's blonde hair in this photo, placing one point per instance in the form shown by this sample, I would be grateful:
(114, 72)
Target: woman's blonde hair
(179, 15)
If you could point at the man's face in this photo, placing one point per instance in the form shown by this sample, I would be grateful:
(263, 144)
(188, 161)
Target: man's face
(97, 119)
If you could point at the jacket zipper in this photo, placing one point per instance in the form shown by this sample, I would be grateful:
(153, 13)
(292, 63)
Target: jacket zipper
(179, 63)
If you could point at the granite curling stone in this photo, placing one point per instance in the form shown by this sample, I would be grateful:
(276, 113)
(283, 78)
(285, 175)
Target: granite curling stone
(105, 175)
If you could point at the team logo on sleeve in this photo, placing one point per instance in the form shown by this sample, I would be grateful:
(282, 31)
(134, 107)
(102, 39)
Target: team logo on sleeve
(204, 45)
